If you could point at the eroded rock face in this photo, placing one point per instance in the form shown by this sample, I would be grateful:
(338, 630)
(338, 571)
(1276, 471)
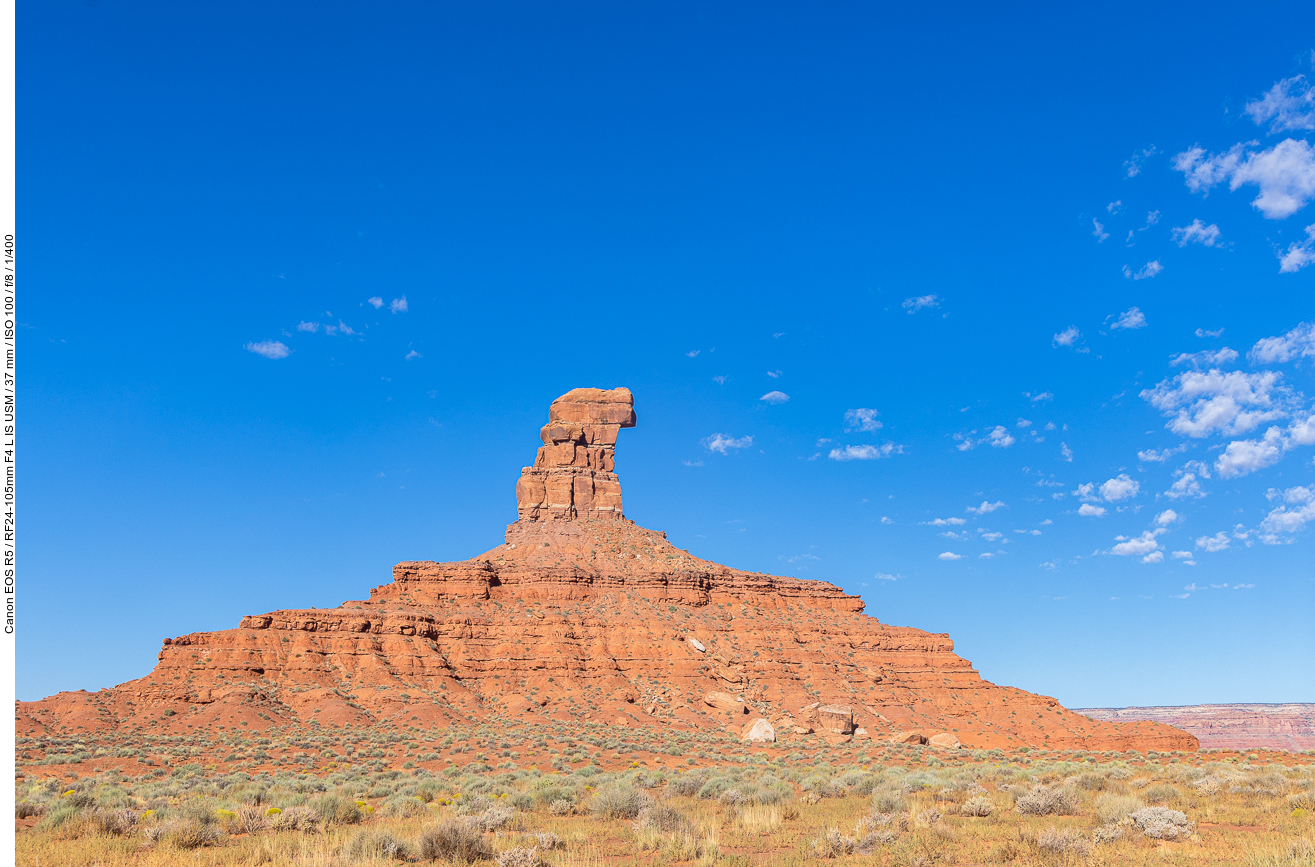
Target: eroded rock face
(574, 474)
(576, 618)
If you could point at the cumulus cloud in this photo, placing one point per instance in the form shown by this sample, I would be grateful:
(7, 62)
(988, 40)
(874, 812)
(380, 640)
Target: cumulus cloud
(1121, 487)
(1160, 456)
(1039, 396)
(1138, 546)
(1087, 510)
(1205, 358)
(1149, 270)
(949, 555)
(862, 419)
(1099, 231)
(412, 355)
(1115, 206)
(944, 522)
(1187, 481)
(272, 349)
(724, 444)
(986, 507)
(312, 327)
(398, 305)
(693, 353)
(1065, 453)
(1298, 509)
(1199, 403)
(775, 397)
(1167, 517)
(1297, 343)
(1067, 337)
(1131, 318)
(913, 305)
(340, 328)
(997, 437)
(1299, 253)
(1132, 165)
(1196, 232)
(886, 576)
(1288, 105)
(1202, 332)
(1218, 542)
(1285, 174)
(1153, 557)
(865, 452)
(376, 303)
(1246, 456)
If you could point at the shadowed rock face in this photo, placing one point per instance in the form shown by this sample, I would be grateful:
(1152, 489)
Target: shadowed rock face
(581, 614)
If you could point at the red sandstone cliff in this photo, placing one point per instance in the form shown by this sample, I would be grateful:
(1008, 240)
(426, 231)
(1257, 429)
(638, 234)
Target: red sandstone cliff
(582, 614)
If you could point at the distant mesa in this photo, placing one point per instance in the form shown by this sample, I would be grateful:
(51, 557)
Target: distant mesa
(580, 615)
(1288, 727)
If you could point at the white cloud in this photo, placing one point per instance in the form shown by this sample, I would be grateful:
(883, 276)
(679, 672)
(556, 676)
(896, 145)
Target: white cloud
(1196, 232)
(1089, 511)
(693, 353)
(774, 374)
(1115, 206)
(723, 443)
(862, 419)
(865, 452)
(1040, 396)
(1289, 104)
(913, 305)
(1150, 269)
(398, 305)
(1213, 544)
(949, 555)
(312, 327)
(1187, 483)
(1159, 457)
(1285, 521)
(340, 328)
(1153, 557)
(1182, 555)
(269, 349)
(1138, 546)
(376, 303)
(1131, 318)
(721, 380)
(1201, 332)
(1121, 487)
(1099, 231)
(986, 507)
(1299, 253)
(886, 520)
(1132, 165)
(1022, 422)
(412, 355)
(1247, 456)
(1205, 358)
(775, 397)
(885, 576)
(1297, 343)
(1200, 403)
(999, 437)
(943, 522)
(1067, 337)
(1284, 173)
(1065, 453)
(1167, 517)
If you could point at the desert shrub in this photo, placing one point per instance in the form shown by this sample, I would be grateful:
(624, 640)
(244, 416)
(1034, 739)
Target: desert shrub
(1066, 842)
(188, 834)
(1092, 782)
(453, 840)
(1112, 809)
(294, 819)
(548, 794)
(889, 799)
(664, 818)
(562, 807)
(1161, 823)
(547, 841)
(403, 806)
(759, 818)
(689, 783)
(832, 844)
(618, 801)
(116, 823)
(978, 806)
(334, 809)
(63, 814)
(372, 845)
(519, 857)
(26, 809)
(495, 818)
(1048, 801)
(1106, 834)
(428, 791)
(713, 788)
(79, 799)
(1160, 793)
(247, 819)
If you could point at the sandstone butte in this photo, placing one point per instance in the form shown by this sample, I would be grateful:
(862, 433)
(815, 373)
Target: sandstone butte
(583, 615)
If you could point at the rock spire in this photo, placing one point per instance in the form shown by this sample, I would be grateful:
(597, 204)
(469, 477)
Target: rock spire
(574, 476)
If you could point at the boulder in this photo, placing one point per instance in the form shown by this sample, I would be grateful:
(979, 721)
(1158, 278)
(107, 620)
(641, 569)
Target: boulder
(913, 737)
(725, 701)
(808, 716)
(835, 739)
(759, 731)
(696, 644)
(945, 740)
(837, 718)
(861, 732)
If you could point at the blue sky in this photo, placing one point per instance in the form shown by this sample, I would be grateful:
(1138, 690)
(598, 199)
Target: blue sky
(1002, 321)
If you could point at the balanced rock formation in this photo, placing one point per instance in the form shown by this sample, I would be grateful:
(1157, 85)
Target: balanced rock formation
(582, 615)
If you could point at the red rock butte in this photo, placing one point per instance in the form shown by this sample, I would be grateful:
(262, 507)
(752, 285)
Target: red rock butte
(582, 615)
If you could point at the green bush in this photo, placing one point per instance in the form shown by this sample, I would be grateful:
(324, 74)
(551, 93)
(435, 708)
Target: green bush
(334, 809)
(453, 840)
(372, 845)
(618, 801)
